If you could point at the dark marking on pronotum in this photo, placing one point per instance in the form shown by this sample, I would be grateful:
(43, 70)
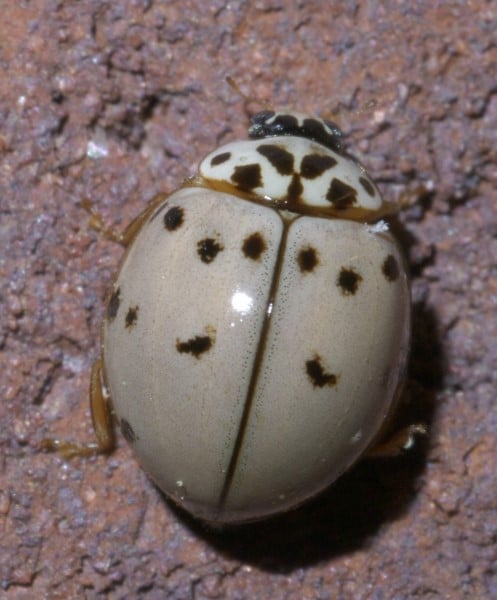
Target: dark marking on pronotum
(307, 259)
(317, 375)
(247, 177)
(348, 280)
(341, 195)
(367, 185)
(208, 249)
(113, 305)
(173, 219)
(295, 189)
(281, 159)
(131, 316)
(390, 268)
(314, 165)
(195, 346)
(128, 432)
(219, 159)
(254, 245)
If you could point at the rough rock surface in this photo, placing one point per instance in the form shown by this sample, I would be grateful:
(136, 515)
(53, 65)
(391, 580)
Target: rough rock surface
(116, 101)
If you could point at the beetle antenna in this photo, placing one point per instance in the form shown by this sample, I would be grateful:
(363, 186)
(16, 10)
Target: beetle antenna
(236, 88)
(247, 99)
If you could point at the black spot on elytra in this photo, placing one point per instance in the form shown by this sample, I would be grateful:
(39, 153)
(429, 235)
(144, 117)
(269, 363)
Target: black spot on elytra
(208, 249)
(173, 219)
(128, 433)
(367, 185)
(314, 165)
(281, 159)
(341, 195)
(131, 316)
(219, 159)
(113, 305)
(307, 259)
(390, 268)
(195, 346)
(295, 189)
(317, 375)
(348, 280)
(247, 177)
(254, 245)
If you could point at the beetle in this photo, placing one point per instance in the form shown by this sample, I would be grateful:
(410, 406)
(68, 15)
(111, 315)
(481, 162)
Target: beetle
(256, 335)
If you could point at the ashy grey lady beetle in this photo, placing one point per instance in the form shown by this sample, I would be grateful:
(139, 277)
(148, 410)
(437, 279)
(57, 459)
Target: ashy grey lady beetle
(256, 336)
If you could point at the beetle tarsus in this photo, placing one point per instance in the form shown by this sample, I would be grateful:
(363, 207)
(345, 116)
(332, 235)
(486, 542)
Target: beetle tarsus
(401, 441)
(67, 449)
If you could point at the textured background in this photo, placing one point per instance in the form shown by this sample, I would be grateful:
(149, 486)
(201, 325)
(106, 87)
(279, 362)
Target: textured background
(115, 101)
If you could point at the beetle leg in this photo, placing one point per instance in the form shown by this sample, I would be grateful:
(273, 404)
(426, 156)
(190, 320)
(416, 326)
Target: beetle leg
(101, 418)
(120, 237)
(96, 223)
(399, 442)
(100, 409)
(421, 193)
